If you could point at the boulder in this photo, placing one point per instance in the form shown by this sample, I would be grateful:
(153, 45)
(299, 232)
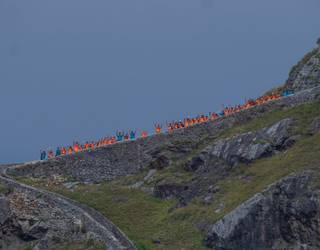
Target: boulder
(253, 145)
(160, 162)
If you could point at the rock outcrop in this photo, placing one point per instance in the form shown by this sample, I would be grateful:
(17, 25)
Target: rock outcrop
(306, 74)
(253, 145)
(244, 148)
(45, 220)
(315, 126)
(284, 216)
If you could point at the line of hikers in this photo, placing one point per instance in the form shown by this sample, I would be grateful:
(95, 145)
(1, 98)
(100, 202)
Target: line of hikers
(187, 122)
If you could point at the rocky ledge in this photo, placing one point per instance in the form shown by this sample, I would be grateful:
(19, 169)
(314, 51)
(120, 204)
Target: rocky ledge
(284, 216)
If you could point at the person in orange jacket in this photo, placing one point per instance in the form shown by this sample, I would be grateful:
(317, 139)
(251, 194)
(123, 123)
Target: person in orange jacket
(76, 147)
(158, 128)
(63, 151)
(144, 134)
(70, 150)
(50, 154)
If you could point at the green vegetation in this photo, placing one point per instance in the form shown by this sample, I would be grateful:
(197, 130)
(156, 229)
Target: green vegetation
(146, 219)
(303, 114)
(3, 189)
(27, 247)
(86, 245)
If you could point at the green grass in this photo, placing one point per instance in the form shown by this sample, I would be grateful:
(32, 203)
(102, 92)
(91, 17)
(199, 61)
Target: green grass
(144, 218)
(303, 114)
(3, 189)
(85, 245)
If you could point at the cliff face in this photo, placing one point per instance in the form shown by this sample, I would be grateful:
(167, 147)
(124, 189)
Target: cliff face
(306, 74)
(284, 216)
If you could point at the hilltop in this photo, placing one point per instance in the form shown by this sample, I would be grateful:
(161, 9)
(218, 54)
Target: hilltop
(245, 181)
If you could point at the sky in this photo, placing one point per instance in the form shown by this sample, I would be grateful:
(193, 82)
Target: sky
(80, 70)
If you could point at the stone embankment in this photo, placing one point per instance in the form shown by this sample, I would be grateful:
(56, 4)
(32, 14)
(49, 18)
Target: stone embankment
(110, 162)
(53, 219)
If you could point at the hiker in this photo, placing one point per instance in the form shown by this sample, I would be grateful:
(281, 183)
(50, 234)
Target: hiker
(43, 155)
(126, 137)
(70, 150)
(287, 93)
(133, 135)
(158, 128)
(213, 116)
(76, 147)
(144, 134)
(58, 152)
(50, 154)
(120, 136)
(170, 128)
(63, 151)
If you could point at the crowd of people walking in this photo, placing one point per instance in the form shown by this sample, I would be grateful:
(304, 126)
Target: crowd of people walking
(132, 135)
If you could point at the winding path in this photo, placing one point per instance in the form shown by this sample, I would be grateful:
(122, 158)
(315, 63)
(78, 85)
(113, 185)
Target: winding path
(107, 232)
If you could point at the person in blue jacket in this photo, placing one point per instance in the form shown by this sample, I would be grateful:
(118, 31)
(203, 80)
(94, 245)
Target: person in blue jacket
(287, 93)
(120, 136)
(58, 152)
(43, 155)
(133, 135)
(221, 113)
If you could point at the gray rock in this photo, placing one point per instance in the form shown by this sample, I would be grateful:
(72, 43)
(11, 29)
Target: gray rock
(252, 145)
(315, 126)
(195, 163)
(208, 199)
(137, 184)
(287, 212)
(306, 74)
(160, 162)
(156, 241)
(213, 189)
(4, 210)
(150, 174)
(167, 191)
(70, 185)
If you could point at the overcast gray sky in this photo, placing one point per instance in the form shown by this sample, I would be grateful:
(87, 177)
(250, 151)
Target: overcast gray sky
(80, 69)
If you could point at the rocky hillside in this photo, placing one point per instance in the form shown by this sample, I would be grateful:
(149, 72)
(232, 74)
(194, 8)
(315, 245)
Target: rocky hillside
(306, 74)
(246, 181)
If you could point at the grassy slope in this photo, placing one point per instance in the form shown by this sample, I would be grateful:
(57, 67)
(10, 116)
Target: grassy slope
(144, 218)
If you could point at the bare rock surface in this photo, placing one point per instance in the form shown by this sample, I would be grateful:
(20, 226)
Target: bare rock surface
(45, 220)
(244, 148)
(315, 126)
(306, 74)
(252, 145)
(284, 216)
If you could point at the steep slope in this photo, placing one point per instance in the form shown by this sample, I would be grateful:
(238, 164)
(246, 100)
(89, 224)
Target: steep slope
(245, 181)
(33, 217)
(306, 74)
(284, 216)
